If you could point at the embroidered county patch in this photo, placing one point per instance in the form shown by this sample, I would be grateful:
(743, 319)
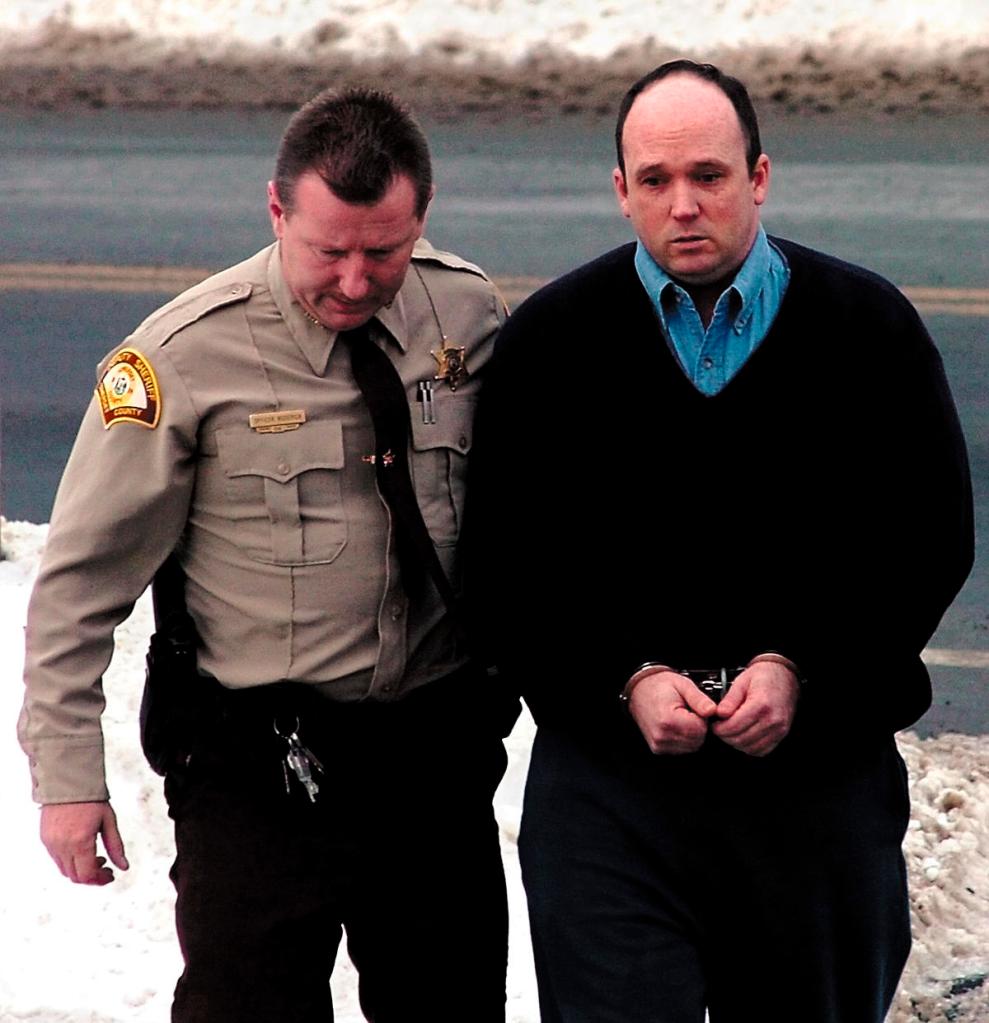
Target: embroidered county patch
(128, 391)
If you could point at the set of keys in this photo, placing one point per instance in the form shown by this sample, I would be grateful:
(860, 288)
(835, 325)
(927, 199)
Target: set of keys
(300, 760)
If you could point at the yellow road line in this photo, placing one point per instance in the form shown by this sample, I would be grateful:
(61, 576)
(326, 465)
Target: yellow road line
(956, 658)
(97, 277)
(953, 301)
(169, 280)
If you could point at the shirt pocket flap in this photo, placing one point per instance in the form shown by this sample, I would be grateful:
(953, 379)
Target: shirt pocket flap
(281, 456)
(453, 428)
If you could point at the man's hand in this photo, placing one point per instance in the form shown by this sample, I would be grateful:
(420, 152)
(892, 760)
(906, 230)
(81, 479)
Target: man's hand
(757, 712)
(671, 712)
(69, 832)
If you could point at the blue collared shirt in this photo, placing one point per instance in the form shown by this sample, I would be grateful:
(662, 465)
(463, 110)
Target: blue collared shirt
(742, 316)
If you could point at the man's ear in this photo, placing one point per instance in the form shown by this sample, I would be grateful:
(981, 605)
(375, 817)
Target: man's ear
(425, 212)
(621, 190)
(760, 179)
(275, 210)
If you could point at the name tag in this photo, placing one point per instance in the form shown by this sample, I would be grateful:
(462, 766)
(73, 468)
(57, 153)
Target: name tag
(277, 422)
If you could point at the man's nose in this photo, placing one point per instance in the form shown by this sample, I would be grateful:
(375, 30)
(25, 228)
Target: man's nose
(683, 201)
(355, 281)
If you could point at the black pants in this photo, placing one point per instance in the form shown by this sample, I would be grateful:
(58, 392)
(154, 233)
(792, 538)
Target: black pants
(400, 849)
(767, 890)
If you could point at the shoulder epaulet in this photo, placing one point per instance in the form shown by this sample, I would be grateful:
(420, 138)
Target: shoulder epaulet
(425, 253)
(188, 308)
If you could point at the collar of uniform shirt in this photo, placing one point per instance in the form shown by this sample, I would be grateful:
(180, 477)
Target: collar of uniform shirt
(315, 340)
(742, 316)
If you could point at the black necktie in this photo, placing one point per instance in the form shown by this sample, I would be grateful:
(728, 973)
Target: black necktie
(384, 394)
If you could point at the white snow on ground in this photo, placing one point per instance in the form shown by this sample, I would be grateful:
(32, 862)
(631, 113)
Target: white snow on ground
(73, 954)
(108, 955)
(513, 29)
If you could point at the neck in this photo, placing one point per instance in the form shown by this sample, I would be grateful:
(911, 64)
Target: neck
(705, 296)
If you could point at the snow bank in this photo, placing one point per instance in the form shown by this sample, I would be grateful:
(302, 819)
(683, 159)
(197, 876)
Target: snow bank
(514, 29)
(470, 54)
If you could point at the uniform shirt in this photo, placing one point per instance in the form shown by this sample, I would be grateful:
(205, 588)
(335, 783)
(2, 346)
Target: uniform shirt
(286, 543)
(742, 316)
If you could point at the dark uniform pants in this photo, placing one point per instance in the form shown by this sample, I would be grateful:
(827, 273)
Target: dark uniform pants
(765, 890)
(400, 849)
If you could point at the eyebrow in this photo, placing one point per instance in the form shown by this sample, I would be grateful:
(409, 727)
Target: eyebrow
(707, 164)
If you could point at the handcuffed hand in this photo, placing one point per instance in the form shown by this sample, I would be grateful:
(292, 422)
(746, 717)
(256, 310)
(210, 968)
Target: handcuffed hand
(671, 712)
(757, 712)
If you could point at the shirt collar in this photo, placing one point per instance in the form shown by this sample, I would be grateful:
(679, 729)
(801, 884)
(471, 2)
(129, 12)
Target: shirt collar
(745, 287)
(315, 340)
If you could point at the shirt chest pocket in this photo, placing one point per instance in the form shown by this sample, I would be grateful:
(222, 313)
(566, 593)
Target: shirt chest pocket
(285, 491)
(439, 463)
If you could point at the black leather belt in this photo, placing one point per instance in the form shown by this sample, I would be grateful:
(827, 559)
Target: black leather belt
(713, 682)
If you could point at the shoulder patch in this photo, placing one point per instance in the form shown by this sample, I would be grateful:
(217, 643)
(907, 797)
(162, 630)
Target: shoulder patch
(128, 390)
(424, 252)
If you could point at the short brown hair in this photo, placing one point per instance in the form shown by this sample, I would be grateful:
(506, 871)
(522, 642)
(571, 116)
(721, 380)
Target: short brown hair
(731, 87)
(358, 141)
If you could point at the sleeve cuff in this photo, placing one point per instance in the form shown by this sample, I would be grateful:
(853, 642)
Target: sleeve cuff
(66, 771)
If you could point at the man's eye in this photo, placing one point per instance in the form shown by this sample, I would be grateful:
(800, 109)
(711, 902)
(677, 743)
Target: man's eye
(709, 178)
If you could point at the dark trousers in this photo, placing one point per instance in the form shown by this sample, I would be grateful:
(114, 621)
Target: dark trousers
(765, 890)
(400, 849)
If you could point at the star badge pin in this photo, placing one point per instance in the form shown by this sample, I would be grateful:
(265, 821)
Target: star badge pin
(451, 365)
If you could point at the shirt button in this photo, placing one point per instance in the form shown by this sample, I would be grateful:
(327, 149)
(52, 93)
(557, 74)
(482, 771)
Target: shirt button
(396, 612)
(282, 468)
(462, 442)
(387, 687)
(708, 363)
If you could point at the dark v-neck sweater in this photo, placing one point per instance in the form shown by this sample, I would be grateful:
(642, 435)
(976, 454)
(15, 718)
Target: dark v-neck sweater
(819, 505)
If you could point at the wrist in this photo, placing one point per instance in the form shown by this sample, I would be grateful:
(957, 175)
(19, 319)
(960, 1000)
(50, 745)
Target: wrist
(643, 671)
(772, 657)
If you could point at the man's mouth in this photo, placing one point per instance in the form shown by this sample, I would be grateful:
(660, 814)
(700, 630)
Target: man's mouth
(346, 305)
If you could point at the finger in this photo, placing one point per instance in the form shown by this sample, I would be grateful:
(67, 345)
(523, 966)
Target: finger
(758, 739)
(678, 746)
(738, 721)
(760, 746)
(113, 843)
(64, 864)
(734, 698)
(680, 732)
(87, 868)
(68, 859)
(700, 703)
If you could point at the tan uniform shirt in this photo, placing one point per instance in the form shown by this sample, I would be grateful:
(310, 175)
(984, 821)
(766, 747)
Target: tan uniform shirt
(286, 543)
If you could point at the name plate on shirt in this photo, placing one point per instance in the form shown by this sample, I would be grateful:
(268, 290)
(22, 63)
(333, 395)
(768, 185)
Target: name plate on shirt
(277, 422)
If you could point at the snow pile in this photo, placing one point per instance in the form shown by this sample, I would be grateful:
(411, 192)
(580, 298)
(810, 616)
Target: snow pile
(108, 955)
(458, 57)
(947, 852)
(513, 29)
